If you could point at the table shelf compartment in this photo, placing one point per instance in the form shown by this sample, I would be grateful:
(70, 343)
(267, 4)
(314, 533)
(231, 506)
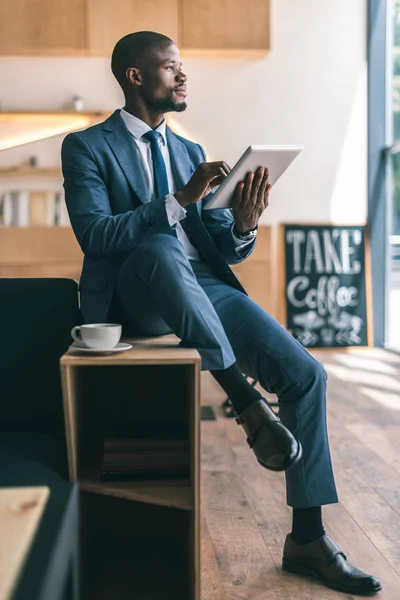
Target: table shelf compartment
(142, 551)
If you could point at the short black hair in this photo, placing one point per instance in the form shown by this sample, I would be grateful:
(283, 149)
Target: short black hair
(130, 51)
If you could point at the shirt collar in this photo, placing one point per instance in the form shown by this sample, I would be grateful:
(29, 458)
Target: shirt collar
(138, 128)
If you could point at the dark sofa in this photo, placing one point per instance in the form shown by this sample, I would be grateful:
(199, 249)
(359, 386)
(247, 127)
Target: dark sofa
(37, 316)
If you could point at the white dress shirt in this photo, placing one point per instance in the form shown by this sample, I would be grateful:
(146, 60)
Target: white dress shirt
(175, 212)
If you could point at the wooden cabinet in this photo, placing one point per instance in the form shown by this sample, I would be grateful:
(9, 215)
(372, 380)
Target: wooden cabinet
(231, 28)
(201, 28)
(43, 27)
(141, 536)
(108, 22)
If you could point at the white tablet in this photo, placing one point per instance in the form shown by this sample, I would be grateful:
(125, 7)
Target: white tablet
(276, 158)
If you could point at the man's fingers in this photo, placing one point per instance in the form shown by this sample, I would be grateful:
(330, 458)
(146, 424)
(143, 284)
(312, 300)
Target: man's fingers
(258, 177)
(266, 196)
(264, 183)
(222, 167)
(219, 165)
(237, 196)
(264, 199)
(247, 188)
(211, 170)
(216, 180)
(259, 174)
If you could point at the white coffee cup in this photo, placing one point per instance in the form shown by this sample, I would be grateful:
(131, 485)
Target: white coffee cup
(99, 336)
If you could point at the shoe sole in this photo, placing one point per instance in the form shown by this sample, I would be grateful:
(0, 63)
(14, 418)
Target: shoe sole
(301, 570)
(294, 461)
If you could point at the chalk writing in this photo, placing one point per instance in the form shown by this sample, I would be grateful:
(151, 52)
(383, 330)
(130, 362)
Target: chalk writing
(325, 284)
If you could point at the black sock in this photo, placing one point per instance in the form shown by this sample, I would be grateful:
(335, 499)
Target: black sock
(236, 386)
(307, 524)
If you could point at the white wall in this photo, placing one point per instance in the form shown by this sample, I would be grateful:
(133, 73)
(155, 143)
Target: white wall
(310, 89)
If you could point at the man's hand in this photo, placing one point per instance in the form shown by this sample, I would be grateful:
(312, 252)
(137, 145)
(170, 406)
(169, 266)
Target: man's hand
(204, 179)
(250, 200)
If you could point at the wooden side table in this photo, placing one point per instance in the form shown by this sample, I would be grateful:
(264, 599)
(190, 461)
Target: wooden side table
(143, 537)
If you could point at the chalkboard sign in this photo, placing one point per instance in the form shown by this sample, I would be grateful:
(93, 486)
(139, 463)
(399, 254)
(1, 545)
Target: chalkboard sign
(326, 278)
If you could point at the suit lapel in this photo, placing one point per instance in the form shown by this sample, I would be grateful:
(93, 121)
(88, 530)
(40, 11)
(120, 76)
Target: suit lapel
(180, 163)
(127, 154)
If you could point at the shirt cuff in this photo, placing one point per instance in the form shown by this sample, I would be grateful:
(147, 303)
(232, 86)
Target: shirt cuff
(242, 243)
(175, 212)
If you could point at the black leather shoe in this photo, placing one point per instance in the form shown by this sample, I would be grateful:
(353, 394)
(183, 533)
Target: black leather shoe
(322, 558)
(274, 446)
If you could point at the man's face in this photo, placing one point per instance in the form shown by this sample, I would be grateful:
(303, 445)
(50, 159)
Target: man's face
(163, 81)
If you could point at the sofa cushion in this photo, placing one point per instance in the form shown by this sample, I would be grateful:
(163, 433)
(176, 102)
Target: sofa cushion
(28, 458)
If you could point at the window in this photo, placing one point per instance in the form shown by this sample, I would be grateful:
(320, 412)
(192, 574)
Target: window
(392, 333)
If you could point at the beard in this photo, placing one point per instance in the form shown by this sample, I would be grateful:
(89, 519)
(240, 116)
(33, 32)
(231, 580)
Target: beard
(163, 105)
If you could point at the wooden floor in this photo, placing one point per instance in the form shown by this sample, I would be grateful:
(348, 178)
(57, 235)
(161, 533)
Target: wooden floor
(245, 518)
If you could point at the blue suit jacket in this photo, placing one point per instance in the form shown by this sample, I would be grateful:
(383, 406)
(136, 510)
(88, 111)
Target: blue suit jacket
(110, 209)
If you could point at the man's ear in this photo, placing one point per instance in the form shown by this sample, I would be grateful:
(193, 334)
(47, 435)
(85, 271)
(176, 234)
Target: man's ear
(133, 75)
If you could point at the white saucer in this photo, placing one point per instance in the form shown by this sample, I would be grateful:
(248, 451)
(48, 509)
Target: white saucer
(120, 347)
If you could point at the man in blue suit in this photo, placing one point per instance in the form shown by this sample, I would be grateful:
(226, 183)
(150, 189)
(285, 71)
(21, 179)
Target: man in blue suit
(158, 262)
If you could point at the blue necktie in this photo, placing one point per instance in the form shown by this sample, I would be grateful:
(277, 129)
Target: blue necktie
(160, 172)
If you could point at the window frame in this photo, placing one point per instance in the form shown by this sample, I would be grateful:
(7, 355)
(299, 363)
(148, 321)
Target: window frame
(378, 160)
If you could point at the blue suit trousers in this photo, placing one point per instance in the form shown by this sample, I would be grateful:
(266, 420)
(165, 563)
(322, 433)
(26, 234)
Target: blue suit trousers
(162, 291)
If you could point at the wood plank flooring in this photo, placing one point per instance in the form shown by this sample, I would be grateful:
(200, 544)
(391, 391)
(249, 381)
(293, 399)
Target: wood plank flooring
(245, 518)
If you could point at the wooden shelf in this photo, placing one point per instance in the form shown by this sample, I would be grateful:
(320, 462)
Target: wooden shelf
(27, 171)
(171, 493)
(23, 127)
(52, 116)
